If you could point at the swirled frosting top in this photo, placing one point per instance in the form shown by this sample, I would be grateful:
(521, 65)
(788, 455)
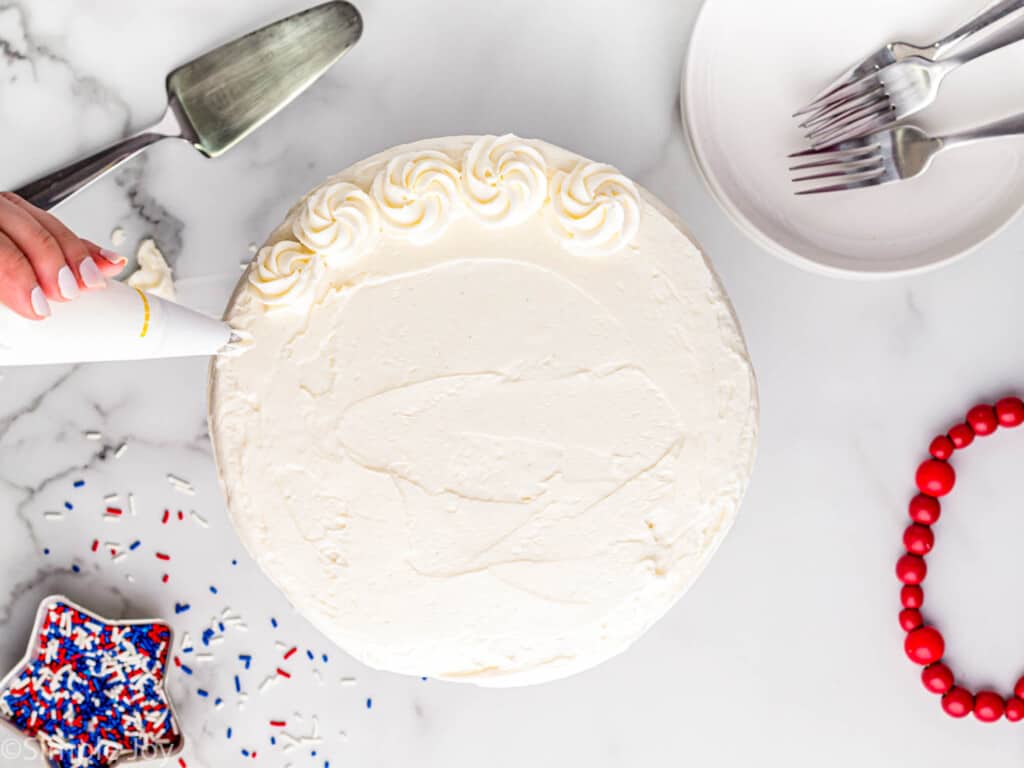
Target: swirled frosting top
(496, 416)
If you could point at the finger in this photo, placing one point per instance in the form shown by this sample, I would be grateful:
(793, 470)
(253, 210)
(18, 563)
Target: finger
(76, 253)
(19, 288)
(41, 247)
(110, 263)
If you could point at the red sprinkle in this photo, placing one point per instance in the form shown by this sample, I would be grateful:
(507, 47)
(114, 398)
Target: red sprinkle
(177, 661)
(114, 511)
(282, 673)
(181, 515)
(162, 556)
(278, 723)
(290, 654)
(165, 578)
(167, 516)
(95, 544)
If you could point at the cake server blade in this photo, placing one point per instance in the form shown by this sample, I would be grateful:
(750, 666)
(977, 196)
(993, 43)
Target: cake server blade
(221, 97)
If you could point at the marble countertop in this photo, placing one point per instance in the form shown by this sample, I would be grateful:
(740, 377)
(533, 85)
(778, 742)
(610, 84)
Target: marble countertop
(787, 651)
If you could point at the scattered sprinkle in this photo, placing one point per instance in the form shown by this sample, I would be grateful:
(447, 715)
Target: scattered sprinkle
(181, 607)
(202, 692)
(369, 703)
(79, 483)
(200, 519)
(120, 450)
(162, 556)
(135, 545)
(69, 506)
(92, 435)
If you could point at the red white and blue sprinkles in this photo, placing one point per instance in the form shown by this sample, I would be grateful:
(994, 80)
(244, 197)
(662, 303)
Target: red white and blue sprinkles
(91, 690)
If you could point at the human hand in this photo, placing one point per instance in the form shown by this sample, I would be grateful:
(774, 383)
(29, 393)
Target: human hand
(41, 260)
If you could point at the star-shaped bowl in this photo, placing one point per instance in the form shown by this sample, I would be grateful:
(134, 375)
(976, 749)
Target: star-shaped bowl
(93, 691)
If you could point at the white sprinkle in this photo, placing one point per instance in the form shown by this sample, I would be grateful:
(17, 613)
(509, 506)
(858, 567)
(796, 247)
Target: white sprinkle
(117, 237)
(268, 682)
(253, 248)
(91, 435)
(110, 498)
(131, 503)
(203, 657)
(348, 681)
(130, 577)
(120, 450)
(281, 646)
(343, 735)
(119, 557)
(184, 486)
(318, 676)
(53, 515)
(199, 519)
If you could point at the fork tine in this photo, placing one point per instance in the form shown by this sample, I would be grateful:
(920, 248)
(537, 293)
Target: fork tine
(863, 184)
(841, 110)
(867, 126)
(848, 90)
(859, 163)
(840, 125)
(839, 152)
(846, 171)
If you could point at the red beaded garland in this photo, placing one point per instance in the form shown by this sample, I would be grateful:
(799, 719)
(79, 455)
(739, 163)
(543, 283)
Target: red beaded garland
(958, 702)
(918, 539)
(961, 435)
(911, 596)
(925, 509)
(937, 678)
(1010, 412)
(924, 644)
(935, 478)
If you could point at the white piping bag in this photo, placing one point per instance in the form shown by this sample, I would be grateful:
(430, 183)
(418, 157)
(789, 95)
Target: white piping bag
(114, 323)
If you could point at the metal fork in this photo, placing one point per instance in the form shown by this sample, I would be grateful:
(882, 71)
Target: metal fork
(881, 158)
(898, 80)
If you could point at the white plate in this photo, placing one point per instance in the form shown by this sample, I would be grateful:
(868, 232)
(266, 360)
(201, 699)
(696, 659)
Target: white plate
(752, 64)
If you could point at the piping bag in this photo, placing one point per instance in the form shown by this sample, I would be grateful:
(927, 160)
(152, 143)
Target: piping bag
(114, 323)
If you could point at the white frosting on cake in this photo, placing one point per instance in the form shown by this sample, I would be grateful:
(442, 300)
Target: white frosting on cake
(501, 434)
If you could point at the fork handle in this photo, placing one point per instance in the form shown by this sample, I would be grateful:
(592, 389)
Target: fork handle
(976, 26)
(1010, 126)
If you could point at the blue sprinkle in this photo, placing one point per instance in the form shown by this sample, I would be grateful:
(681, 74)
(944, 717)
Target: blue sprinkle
(313, 753)
(68, 506)
(186, 669)
(238, 684)
(75, 568)
(273, 622)
(188, 650)
(135, 545)
(46, 551)
(217, 701)
(423, 679)
(202, 692)
(327, 764)
(220, 625)
(79, 483)
(213, 590)
(181, 607)
(273, 741)
(325, 658)
(310, 655)
(246, 658)
(245, 753)
(229, 732)
(369, 703)
(207, 634)
(234, 562)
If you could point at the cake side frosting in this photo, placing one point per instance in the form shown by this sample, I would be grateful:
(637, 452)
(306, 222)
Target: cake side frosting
(502, 423)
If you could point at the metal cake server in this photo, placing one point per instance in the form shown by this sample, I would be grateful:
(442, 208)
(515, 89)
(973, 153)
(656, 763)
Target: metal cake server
(220, 98)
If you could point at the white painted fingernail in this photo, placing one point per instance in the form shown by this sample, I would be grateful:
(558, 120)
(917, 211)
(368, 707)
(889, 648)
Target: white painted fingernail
(91, 273)
(39, 303)
(67, 283)
(112, 257)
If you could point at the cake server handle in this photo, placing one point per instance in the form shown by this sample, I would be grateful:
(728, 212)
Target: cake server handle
(54, 188)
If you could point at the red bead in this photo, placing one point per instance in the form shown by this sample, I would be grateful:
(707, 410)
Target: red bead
(910, 619)
(958, 702)
(918, 539)
(911, 596)
(983, 420)
(962, 436)
(1018, 689)
(937, 678)
(1015, 709)
(911, 569)
(935, 478)
(924, 645)
(925, 509)
(988, 706)
(1010, 411)
(942, 448)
